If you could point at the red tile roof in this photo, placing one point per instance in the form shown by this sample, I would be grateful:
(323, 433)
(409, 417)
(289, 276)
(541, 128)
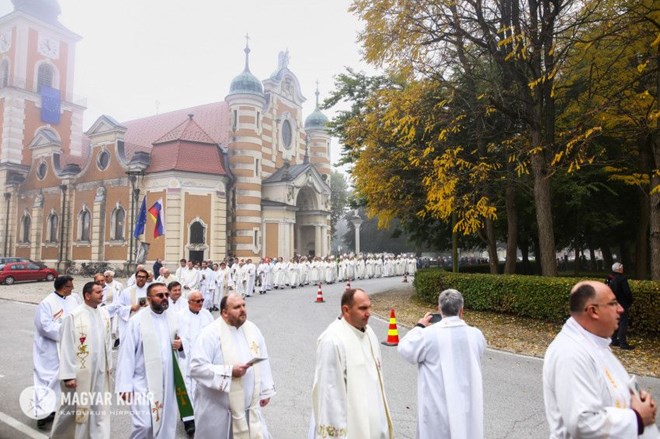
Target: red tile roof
(187, 156)
(212, 118)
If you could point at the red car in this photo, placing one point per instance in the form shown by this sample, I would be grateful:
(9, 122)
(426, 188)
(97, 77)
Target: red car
(25, 271)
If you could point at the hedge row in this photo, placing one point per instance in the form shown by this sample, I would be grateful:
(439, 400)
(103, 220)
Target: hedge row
(538, 297)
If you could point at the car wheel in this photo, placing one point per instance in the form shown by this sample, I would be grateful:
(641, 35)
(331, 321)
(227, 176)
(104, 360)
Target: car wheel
(9, 280)
(50, 277)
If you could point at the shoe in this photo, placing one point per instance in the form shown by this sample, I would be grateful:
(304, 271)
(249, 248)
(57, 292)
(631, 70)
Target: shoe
(615, 343)
(42, 423)
(627, 347)
(189, 426)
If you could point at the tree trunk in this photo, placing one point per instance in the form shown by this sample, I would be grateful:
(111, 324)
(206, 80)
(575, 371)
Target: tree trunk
(493, 261)
(641, 238)
(542, 199)
(512, 229)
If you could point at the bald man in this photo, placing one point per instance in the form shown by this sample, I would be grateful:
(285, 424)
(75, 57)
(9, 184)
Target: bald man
(586, 389)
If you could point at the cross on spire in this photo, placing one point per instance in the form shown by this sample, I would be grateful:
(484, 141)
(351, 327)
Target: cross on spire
(247, 53)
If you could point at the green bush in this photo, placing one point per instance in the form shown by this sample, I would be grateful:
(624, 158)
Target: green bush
(543, 298)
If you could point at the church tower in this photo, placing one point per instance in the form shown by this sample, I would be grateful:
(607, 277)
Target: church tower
(246, 102)
(39, 116)
(318, 140)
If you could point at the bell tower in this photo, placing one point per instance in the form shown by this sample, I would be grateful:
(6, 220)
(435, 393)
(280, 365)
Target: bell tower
(37, 56)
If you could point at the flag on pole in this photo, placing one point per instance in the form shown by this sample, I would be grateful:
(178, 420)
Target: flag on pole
(141, 219)
(156, 214)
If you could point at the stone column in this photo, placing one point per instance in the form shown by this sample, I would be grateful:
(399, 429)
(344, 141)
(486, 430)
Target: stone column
(174, 220)
(97, 238)
(37, 227)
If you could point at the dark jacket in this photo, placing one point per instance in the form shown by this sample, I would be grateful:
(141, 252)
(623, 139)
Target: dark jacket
(619, 285)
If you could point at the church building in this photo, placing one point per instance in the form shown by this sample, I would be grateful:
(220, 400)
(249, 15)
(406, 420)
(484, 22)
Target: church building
(248, 176)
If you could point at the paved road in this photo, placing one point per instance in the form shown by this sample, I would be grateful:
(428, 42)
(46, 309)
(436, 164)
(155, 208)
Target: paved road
(291, 322)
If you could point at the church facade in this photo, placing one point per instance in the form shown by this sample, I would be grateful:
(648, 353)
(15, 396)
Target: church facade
(247, 176)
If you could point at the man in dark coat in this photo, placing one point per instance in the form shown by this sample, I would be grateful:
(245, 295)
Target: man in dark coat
(619, 285)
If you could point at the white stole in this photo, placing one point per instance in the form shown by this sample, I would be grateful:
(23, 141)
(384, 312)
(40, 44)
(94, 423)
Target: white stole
(356, 378)
(153, 363)
(82, 332)
(240, 427)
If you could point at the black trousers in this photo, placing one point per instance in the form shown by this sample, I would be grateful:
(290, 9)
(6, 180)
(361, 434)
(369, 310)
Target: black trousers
(622, 331)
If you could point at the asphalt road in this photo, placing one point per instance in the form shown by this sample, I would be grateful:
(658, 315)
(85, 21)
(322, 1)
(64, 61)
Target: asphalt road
(291, 322)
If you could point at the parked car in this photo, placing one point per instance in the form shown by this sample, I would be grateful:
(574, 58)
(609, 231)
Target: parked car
(25, 271)
(6, 260)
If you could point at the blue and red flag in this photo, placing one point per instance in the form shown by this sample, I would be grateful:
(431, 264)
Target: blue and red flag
(156, 212)
(141, 219)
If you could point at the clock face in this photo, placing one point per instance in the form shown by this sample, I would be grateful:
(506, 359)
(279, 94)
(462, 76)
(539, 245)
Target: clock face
(49, 48)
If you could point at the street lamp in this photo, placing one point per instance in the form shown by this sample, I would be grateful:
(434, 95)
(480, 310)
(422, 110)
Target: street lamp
(357, 222)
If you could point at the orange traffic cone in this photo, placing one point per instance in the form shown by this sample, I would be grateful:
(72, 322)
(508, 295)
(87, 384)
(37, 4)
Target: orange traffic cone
(392, 332)
(348, 285)
(405, 278)
(319, 295)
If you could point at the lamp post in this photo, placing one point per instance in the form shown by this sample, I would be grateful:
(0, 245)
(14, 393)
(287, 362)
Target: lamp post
(357, 222)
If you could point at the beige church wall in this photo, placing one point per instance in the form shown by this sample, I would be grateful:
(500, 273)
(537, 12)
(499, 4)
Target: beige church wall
(82, 251)
(196, 206)
(271, 240)
(49, 254)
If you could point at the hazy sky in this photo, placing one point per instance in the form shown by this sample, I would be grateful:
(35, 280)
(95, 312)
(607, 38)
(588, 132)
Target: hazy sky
(139, 57)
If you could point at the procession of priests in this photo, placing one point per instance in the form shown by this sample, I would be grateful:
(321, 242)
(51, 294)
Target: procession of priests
(176, 362)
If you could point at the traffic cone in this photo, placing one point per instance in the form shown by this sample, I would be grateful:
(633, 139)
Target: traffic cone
(319, 295)
(405, 278)
(348, 285)
(392, 332)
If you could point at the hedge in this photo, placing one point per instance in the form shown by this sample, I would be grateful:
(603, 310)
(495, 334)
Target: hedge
(538, 297)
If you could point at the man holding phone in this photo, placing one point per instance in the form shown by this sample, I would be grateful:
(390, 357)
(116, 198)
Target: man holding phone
(450, 398)
(131, 300)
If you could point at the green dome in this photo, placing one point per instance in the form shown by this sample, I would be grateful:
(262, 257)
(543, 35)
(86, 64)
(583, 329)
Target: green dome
(316, 120)
(246, 83)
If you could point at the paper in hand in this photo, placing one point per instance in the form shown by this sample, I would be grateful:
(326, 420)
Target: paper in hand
(255, 360)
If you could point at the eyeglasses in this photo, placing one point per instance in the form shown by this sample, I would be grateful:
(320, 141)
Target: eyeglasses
(196, 301)
(162, 295)
(613, 303)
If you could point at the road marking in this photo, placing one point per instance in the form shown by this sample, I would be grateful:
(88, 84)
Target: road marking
(18, 425)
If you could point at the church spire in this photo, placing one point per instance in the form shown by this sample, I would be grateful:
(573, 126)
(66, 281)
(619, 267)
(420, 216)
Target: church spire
(317, 94)
(247, 53)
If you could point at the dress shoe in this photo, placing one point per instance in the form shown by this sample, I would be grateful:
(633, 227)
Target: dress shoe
(627, 347)
(189, 426)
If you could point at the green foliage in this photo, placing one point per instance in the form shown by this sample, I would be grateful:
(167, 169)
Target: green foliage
(543, 298)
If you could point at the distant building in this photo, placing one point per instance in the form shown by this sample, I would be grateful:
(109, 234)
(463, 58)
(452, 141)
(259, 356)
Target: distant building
(243, 177)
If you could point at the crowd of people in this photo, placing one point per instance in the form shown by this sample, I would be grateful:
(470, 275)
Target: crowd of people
(176, 362)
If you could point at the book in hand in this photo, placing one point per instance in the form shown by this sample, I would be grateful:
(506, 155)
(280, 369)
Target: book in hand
(256, 360)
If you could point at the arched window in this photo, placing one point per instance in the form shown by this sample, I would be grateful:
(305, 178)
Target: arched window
(197, 233)
(53, 222)
(84, 223)
(4, 73)
(45, 76)
(26, 223)
(117, 220)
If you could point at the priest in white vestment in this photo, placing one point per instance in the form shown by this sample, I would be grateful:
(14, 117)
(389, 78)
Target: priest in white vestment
(450, 400)
(85, 370)
(192, 319)
(130, 300)
(348, 396)
(586, 390)
(177, 301)
(145, 374)
(230, 364)
(47, 322)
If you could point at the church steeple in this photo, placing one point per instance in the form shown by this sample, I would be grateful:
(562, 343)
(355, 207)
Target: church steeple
(246, 82)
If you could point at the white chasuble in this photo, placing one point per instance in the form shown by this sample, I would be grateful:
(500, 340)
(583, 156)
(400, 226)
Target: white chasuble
(219, 398)
(585, 387)
(348, 396)
(86, 356)
(449, 388)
